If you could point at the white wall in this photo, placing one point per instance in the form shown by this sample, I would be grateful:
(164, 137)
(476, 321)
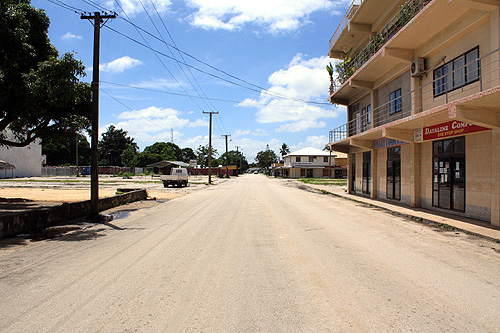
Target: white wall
(27, 160)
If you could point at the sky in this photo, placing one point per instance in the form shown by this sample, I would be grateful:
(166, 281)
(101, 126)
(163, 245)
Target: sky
(256, 63)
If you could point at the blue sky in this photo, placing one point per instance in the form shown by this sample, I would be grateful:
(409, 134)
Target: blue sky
(278, 45)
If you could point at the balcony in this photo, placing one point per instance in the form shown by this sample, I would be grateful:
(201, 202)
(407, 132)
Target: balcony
(349, 66)
(482, 92)
(345, 21)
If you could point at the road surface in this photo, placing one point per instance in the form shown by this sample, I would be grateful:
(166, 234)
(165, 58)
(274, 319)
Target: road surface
(252, 255)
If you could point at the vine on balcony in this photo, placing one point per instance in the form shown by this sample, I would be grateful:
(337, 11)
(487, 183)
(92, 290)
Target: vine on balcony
(349, 65)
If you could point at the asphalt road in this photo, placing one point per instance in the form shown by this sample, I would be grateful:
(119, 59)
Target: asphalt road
(252, 254)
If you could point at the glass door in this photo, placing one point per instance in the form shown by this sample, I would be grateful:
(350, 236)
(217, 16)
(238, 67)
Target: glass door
(444, 182)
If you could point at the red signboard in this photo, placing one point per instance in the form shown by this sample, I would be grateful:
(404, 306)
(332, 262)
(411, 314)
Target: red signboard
(451, 128)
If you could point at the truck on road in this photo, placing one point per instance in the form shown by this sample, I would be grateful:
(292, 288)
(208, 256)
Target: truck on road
(178, 177)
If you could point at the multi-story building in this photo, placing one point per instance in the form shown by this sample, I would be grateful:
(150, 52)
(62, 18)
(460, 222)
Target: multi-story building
(420, 79)
(310, 163)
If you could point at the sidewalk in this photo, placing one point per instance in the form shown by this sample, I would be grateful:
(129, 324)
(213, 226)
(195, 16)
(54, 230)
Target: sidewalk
(468, 225)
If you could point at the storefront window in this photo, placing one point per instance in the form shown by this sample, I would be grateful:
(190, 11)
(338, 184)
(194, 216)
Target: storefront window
(367, 159)
(394, 173)
(448, 183)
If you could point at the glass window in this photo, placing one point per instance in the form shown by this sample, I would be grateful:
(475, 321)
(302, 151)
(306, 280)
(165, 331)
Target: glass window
(448, 146)
(456, 73)
(325, 159)
(472, 68)
(311, 159)
(369, 114)
(459, 71)
(395, 101)
(459, 145)
(297, 159)
(438, 147)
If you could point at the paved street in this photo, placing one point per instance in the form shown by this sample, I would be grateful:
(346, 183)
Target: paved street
(252, 254)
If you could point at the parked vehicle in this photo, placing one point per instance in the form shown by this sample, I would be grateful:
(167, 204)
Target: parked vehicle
(178, 177)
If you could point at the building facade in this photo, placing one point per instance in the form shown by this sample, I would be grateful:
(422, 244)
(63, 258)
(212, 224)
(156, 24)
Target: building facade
(310, 163)
(421, 83)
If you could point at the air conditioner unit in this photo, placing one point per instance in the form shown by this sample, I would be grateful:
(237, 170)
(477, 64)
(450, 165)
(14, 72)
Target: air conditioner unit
(418, 67)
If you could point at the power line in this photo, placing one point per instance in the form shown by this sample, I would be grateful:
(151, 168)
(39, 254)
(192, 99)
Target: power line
(156, 54)
(184, 95)
(263, 90)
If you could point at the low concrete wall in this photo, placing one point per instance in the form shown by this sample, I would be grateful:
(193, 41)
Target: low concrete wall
(14, 224)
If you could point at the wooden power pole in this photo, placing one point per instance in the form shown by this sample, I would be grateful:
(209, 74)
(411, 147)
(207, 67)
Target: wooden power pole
(210, 146)
(226, 136)
(94, 164)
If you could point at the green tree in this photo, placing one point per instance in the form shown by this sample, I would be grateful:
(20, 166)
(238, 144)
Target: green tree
(160, 151)
(235, 158)
(113, 144)
(40, 94)
(187, 154)
(265, 158)
(62, 151)
(284, 150)
(202, 154)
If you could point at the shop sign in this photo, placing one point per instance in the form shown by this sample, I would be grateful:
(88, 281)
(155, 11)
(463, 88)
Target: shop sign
(451, 128)
(387, 143)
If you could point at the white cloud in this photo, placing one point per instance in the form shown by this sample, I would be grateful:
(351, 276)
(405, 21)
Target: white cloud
(316, 141)
(275, 15)
(120, 65)
(159, 84)
(154, 124)
(69, 35)
(303, 79)
(257, 132)
(300, 126)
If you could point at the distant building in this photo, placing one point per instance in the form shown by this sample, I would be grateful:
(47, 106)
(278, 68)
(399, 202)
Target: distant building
(309, 163)
(27, 161)
(422, 88)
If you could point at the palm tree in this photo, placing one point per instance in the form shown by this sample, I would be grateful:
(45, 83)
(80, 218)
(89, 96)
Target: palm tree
(284, 150)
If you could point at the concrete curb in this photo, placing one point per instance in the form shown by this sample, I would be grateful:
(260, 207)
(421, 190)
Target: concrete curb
(25, 222)
(414, 218)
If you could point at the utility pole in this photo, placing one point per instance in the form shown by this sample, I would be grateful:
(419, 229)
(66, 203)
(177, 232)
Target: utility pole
(241, 161)
(226, 136)
(94, 165)
(77, 173)
(210, 146)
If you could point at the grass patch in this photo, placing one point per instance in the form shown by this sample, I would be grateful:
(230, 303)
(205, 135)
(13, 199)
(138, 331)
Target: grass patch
(324, 181)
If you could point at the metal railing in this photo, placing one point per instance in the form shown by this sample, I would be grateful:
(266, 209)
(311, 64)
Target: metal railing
(396, 23)
(487, 72)
(345, 21)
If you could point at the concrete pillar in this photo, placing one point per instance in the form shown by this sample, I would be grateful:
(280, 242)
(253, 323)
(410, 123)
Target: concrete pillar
(415, 172)
(495, 44)
(349, 172)
(374, 104)
(495, 176)
(374, 176)
(416, 95)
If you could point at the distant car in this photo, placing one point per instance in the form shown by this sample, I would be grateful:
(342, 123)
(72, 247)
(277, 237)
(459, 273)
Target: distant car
(177, 177)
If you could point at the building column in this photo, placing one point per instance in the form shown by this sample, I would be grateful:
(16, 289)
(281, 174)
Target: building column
(495, 44)
(349, 172)
(415, 172)
(373, 175)
(495, 176)
(374, 103)
(416, 95)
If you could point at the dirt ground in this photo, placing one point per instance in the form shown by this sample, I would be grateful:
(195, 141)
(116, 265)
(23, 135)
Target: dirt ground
(40, 191)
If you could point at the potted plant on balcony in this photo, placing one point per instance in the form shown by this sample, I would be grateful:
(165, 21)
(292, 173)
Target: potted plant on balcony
(329, 69)
(345, 68)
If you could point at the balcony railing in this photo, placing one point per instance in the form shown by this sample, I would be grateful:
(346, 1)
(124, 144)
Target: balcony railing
(349, 66)
(345, 21)
(488, 72)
